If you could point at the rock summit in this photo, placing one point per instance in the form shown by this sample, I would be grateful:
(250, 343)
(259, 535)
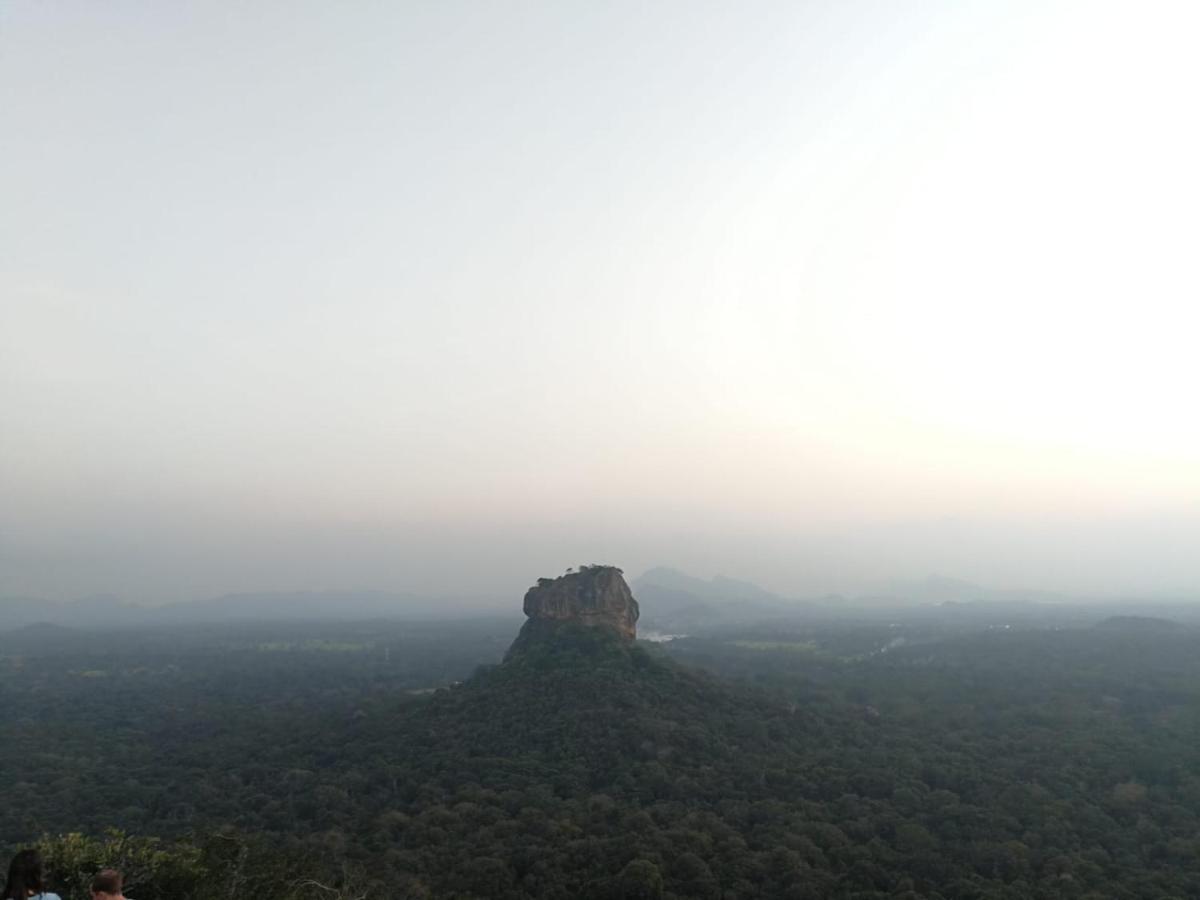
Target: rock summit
(595, 596)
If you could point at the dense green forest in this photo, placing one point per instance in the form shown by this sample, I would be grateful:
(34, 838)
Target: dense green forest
(856, 758)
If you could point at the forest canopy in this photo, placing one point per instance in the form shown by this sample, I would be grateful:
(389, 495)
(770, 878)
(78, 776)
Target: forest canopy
(845, 759)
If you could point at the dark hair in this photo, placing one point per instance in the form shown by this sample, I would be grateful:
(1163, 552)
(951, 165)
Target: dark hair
(24, 876)
(107, 881)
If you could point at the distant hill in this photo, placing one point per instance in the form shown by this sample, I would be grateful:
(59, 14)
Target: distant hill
(1140, 624)
(943, 589)
(90, 612)
(675, 599)
(716, 588)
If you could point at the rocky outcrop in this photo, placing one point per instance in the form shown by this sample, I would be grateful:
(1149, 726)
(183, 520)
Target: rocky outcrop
(594, 596)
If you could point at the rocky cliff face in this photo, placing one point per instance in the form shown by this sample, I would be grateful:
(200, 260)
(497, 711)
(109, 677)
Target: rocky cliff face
(593, 596)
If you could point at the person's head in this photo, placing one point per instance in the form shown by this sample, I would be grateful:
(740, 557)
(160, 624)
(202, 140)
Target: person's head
(25, 876)
(107, 885)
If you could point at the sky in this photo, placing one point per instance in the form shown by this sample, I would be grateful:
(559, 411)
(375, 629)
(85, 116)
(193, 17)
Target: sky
(446, 297)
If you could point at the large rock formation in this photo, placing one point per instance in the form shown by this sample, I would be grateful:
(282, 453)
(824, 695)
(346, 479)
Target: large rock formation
(594, 596)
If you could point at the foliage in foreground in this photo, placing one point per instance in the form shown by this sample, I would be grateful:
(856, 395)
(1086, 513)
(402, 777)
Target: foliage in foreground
(203, 868)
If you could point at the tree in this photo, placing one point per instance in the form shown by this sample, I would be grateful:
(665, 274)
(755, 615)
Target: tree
(641, 880)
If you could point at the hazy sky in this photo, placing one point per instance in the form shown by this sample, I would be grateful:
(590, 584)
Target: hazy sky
(446, 296)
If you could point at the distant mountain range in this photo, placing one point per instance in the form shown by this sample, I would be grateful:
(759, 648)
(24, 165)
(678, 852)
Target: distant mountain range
(670, 600)
(941, 589)
(665, 592)
(668, 597)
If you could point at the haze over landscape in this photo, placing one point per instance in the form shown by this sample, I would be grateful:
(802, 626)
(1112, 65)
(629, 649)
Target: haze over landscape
(437, 298)
(599, 451)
